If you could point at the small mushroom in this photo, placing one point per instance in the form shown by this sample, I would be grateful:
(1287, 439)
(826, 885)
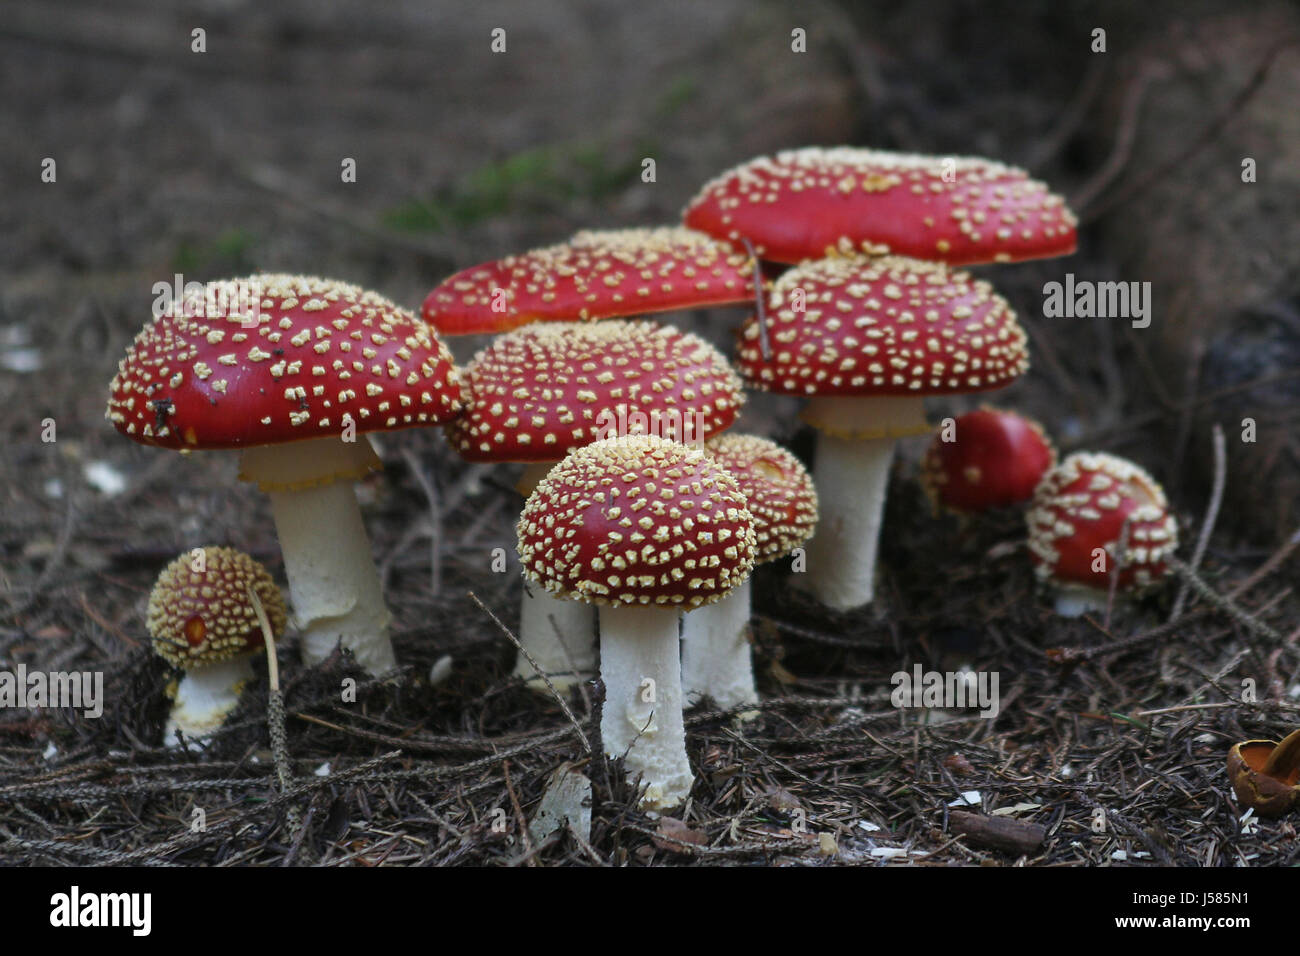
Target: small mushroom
(815, 202)
(866, 340)
(203, 621)
(1265, 774)
(995, 460)
(294, 370)
(715, 639)
(539, 391)
(1077, 527)
(595, 275)
(644, 528)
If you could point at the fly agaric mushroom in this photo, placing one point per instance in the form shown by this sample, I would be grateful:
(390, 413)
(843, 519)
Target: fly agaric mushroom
(645, 528)
(202, 620)
(1077, 529)
(539, 391)
(866, 340)
(994, 459)
(1265, 774)
(814, 202)
(595, 275)
(781, 497)
(294, 370)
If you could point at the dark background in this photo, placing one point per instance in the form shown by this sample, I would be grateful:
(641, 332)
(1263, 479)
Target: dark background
(228, 162)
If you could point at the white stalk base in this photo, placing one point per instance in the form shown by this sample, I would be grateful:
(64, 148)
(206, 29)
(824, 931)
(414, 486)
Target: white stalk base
(716, 656)
(642, 717)
(206, 696)
(851, 476)
(1076, 600)
(561, 637)
(333, 580)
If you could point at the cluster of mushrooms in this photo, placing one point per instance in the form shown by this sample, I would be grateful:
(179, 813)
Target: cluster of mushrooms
(639, 502)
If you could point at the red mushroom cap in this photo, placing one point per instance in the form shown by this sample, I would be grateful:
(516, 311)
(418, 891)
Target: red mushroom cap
(539, 391)
(995, 460)
(595, 275)
(778, 488)
(1082, 504)
(279, 358)
(814, 202)
(637, 520)
(888, 326)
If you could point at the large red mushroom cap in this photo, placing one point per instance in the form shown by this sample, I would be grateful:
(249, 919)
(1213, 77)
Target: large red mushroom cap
(280, 358)
(1082, 504)
(637, 520)
(995, 460)
(777, 487)
(813, 202)
(539, 391)
(595, 275)
(883, 327)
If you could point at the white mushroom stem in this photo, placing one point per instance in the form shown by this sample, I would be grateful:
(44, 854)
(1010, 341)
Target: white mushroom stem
(642, 717)
(715, 653)
(559, 634)
(561, 637)
(206, 696)
(333, 581)
(1075, 600)
(855, 448)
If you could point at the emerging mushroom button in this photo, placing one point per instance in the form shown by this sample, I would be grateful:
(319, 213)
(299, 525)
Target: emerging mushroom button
(1077, 529)
(264, 364)
(539, 391)
(645, 528)
(202, 619)
(991, 459)
(595, 275)
(780, 496)
(813, 202)
(865, 340)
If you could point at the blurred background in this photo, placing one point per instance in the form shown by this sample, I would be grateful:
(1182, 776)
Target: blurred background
(230, 160)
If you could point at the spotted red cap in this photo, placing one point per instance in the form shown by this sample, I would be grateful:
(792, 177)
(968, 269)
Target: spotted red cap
(279, 358)
(887, 326)
(1082, 505)
(777, 487)
(637, 520)
(200, 612)
(538, 391)
(595, 275)
(809, 203)
(995, 459)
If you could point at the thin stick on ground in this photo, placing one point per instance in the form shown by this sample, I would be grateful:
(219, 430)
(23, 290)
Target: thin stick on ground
(577, 727)
(427, 485)
(1211, 516)
(275, 716)
(1222, 602)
